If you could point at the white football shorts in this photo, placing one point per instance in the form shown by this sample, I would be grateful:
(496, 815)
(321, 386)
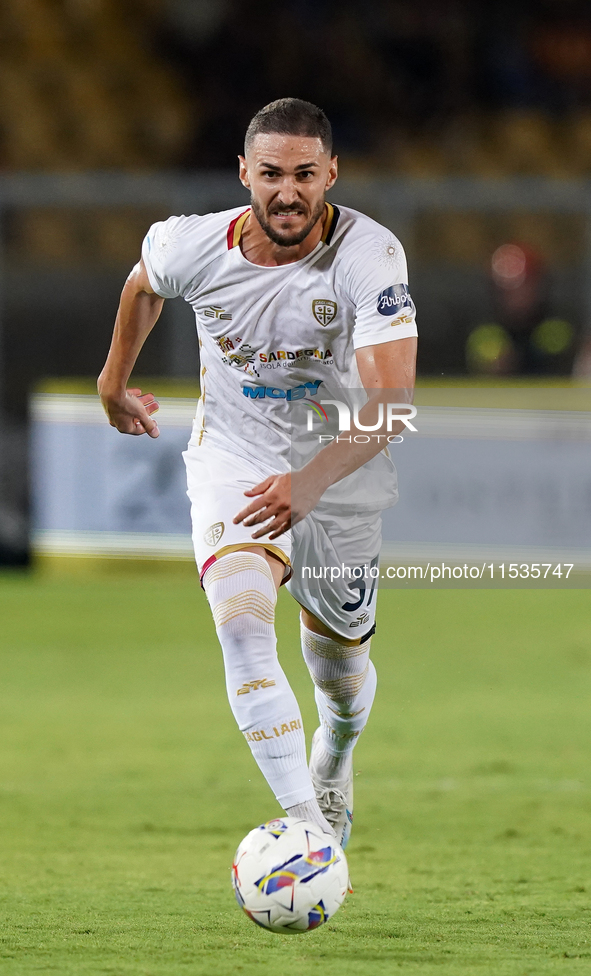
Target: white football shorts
(331, 560)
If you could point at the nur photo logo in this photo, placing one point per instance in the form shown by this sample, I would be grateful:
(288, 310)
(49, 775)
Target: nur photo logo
(389, 413)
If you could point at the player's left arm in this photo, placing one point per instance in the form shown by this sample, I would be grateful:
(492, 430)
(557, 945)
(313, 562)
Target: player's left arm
(387, 371)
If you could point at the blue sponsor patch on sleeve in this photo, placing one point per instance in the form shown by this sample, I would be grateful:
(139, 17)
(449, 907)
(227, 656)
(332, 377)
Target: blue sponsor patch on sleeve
(393, 299)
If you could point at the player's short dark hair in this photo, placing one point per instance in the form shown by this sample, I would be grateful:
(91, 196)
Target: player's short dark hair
(291, 117)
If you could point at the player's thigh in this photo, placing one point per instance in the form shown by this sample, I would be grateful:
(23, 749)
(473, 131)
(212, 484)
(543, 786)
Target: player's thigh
(335, 568)
(215, 485)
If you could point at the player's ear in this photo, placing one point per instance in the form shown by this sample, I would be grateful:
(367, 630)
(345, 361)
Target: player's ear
(243, 172)
(333, 172)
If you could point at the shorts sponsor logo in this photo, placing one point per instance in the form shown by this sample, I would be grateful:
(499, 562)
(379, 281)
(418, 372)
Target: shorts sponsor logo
(324, 310)
(214, 533)
(276, 393)
(249, 686)
(361, 619)
(393, 299)
(217, 312)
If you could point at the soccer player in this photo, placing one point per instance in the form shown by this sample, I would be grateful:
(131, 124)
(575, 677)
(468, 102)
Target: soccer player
(296, 300)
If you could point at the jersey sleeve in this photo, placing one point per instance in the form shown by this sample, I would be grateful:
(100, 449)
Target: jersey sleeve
(162, 254)
(378, 287)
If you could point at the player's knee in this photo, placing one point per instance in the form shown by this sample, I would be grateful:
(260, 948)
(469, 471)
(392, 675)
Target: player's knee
(339, 670)
(241, 593)
(249, 611)
(316, 626)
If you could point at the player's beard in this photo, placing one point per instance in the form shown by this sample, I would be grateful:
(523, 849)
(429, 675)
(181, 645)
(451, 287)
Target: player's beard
(286, 239)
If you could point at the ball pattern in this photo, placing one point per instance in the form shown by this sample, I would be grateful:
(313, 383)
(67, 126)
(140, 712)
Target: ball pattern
(289, 876)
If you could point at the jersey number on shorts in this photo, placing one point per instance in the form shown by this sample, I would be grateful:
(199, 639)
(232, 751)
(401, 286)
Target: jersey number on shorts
(359, 584)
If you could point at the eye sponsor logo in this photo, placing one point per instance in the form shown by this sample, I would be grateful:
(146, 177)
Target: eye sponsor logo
(393, 299)
(249, 686)
(217, 312)
(276, 393)
(402, 320)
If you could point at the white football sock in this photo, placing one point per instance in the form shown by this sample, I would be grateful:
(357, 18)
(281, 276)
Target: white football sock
(345, 681)
(242, 596)
(312, 812)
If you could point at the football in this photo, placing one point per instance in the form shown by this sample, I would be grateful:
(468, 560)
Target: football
(289, 876)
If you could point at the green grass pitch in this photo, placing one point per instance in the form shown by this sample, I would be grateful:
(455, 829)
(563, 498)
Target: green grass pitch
(125, 788)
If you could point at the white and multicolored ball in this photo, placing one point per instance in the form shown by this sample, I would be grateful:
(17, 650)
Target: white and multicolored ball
(290, 876)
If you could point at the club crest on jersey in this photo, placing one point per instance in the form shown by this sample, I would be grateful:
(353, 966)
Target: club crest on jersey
(214, 533)
(324, 310)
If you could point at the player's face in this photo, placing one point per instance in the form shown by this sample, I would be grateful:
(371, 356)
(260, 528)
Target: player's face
(287, 177)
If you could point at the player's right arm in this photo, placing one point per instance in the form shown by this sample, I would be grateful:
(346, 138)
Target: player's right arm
(139, 309)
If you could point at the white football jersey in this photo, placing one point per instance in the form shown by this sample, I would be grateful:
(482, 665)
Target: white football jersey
(270, 336)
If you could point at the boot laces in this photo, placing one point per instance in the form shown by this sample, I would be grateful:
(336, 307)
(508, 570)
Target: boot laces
(331, 801)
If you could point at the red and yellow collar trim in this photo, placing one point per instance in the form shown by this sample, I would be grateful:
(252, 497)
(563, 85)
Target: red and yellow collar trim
(328, 228)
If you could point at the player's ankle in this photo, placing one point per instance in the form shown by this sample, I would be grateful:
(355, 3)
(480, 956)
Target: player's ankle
(333, 764)
(309, 810)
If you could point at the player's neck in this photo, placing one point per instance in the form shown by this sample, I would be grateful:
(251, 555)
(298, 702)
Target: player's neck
(260, 249)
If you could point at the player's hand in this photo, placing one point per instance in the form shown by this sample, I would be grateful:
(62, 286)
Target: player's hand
(279, 501)
(132, 413)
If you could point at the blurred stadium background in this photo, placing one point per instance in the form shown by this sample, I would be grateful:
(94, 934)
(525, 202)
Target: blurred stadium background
(465, 127)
